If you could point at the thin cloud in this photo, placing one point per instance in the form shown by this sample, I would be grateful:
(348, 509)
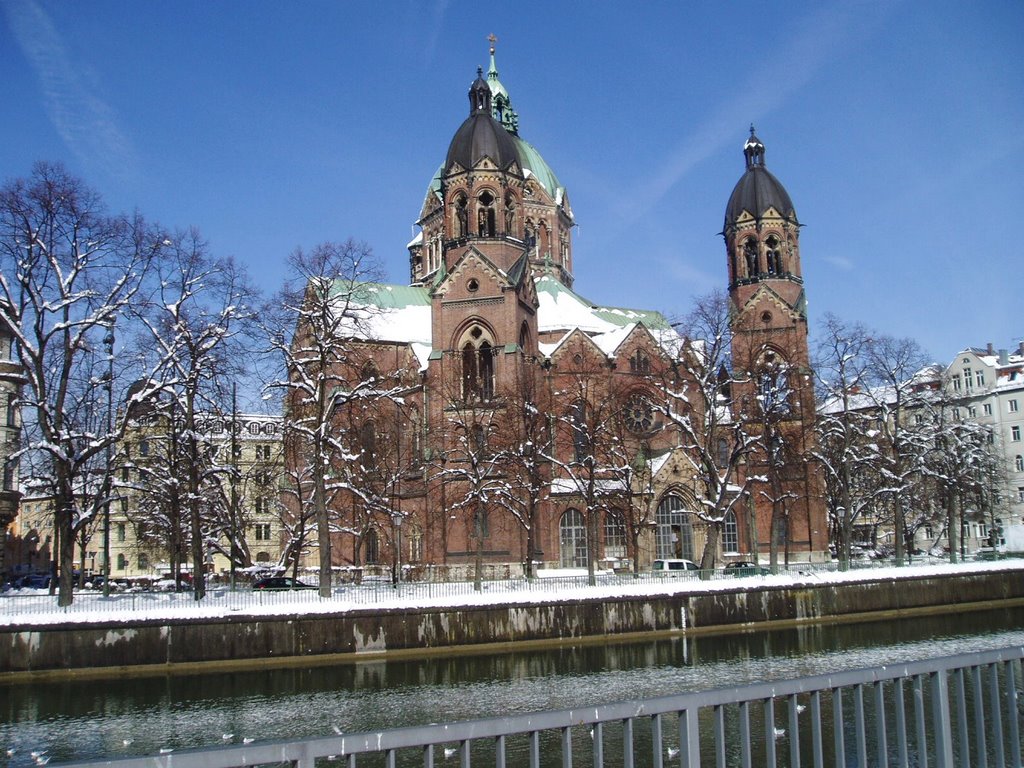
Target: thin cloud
(824, 36)
(436, 26)
(83, 120)
(840, 262)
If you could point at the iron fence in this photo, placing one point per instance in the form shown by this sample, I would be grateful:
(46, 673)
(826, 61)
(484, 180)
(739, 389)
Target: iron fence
(955, 711)
(375, 591)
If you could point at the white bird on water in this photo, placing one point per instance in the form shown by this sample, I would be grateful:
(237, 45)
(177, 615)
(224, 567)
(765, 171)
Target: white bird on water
(248, 740)
(800, 708)
(42, 759)
(449, 752)
(780, 732)
(227, 736)
(673, 752)
(126, 742)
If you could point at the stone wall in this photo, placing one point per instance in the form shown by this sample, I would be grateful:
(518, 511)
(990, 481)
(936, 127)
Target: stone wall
(245, 641)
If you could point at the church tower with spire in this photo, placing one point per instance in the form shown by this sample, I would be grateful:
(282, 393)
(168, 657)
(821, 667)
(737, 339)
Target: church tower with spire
(774, 390)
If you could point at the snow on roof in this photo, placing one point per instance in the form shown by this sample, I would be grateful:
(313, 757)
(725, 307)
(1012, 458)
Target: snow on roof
(561, 309)
(395, 313)
(416, 240)
(563, 485)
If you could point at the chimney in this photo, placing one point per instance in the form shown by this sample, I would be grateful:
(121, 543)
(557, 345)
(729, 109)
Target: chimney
(1004, 357)
(990, 350)
(1020, 349)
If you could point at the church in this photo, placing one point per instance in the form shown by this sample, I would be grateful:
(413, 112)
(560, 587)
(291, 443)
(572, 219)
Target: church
(520, 426)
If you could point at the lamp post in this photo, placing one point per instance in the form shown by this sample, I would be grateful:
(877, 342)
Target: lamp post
(396, 563)
(108, 342)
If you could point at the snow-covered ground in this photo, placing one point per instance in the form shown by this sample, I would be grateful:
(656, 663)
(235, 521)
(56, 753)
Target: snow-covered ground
(39, 608)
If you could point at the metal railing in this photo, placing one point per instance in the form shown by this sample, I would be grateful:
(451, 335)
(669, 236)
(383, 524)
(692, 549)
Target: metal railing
(375, 592)
(955, 711)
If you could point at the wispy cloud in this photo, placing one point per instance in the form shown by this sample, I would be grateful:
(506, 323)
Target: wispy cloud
(824, 35)
(840, 262)
(436, 25)
(83, 120)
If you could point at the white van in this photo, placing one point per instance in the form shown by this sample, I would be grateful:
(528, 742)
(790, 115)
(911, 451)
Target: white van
(673, 564)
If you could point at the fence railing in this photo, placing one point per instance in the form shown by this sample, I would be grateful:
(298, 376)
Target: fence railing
(955, 711)
(379, 592)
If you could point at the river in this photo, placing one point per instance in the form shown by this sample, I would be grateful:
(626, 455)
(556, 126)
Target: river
(74, 720)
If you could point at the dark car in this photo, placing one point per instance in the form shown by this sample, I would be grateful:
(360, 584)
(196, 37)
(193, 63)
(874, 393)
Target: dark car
(36, 581)
(280, 582)
(745, 568)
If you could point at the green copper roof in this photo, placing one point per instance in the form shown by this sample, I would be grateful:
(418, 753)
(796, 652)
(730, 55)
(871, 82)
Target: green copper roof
(535, 164)
(501, 102)
(386, 295)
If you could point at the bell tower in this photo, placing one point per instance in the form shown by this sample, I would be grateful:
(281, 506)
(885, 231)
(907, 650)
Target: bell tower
(774, 391)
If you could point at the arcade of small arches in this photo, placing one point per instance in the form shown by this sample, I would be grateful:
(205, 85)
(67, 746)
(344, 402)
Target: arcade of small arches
(769, 256)
(675, 534)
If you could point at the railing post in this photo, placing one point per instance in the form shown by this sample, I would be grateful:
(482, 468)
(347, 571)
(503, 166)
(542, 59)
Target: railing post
(1010, 668)
(689, 738)
(940, 720)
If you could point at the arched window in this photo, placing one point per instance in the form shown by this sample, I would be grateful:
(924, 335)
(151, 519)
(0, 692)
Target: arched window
(415, 539)
(1019, 463)
(773, 254)
(674, 536)
(485, 215)
(477, 365)
(371, 547)
(723, 453)
(639, 362)
(750, 255)
(524, 338)
(122, 562)
(581, 444)
(614, 534)
(461, 223)
(368, 443)
(573, 540)
(730, 533)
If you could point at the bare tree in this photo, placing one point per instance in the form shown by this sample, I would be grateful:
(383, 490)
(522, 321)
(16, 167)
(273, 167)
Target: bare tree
(696, 397)
(69, 271)
(326, 304)
(896, 365)
(849, 449)
(199, 319)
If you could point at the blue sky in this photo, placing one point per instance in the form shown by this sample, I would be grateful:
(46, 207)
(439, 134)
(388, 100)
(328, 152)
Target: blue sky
(895, 126)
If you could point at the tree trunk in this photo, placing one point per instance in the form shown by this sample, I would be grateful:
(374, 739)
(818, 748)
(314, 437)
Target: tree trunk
(707, 559)
(478, 566)
(951, 526)
(323, 526)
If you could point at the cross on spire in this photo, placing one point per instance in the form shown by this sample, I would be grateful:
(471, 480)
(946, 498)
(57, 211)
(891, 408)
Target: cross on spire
(492, 39)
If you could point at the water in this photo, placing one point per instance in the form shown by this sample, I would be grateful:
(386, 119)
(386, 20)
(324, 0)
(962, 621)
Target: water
(90, 719)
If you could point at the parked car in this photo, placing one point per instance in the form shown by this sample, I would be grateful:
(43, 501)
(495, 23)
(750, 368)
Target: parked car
(746, 568)
(35, 581)
(280, 582)
(673, 564)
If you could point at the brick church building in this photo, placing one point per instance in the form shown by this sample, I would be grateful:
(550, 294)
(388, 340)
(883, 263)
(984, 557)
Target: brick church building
(507, 423)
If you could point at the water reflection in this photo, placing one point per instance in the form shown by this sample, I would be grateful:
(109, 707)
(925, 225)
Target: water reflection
(84, 719)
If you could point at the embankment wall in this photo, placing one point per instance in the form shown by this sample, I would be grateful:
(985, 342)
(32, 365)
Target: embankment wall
(151, 645)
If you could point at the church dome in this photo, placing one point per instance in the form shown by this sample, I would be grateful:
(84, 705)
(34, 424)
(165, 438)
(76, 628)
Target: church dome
(480, 135)
(757, 190)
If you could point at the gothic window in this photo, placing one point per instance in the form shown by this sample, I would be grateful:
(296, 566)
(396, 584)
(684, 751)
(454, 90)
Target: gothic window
(723, 453)
(415, 539)
(478, 440)
(461, 216)
(529, 234)
(674, 536)
(122, 562)
(730, 533)
(477, 365)
(573, 540)
(368, 443)
(485, 215)
(524, 337)
(371, 548)
(481, 522)
(639, 362)
(773, 389)
(581, 445)
(614, 534)
(773, 254)
(750, 255)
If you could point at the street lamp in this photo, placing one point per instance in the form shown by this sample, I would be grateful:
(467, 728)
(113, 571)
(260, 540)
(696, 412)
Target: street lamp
(108, 342)
(396, 563)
